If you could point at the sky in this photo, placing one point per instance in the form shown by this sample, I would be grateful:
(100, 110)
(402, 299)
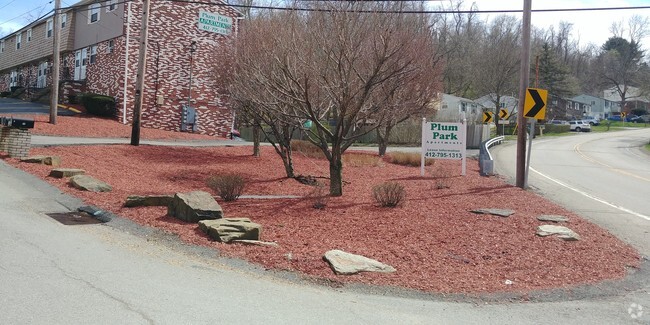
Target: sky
(589, 26)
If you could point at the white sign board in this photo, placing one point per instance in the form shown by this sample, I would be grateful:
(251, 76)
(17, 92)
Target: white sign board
(215, 23)
(444, 141)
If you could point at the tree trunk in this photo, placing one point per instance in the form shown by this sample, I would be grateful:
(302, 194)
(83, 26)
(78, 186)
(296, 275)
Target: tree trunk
(336, 178)
(288, 163)
(382, 140)
(256, 140)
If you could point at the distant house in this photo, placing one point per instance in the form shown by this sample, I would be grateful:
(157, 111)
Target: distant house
(453, 109)
(634, 99)
(599, 108)
(508, 103)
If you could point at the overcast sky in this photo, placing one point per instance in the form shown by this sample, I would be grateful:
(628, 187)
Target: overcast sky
(589, 26)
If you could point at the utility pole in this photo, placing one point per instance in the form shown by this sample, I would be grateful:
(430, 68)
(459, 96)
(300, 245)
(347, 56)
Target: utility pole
(523, 84)
(54, 93)
(139, 86)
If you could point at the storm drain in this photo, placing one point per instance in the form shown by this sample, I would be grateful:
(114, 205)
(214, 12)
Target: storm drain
(74, 218)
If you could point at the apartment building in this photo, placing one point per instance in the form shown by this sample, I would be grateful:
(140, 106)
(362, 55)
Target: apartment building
(188, 45)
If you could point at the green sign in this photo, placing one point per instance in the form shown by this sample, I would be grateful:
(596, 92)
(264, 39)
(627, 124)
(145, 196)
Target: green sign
(215, 23)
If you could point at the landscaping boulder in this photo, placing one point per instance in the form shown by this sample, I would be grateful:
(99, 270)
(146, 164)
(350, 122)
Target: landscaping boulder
(552, 218)
(495, 212)
(194, 207)
(345, 263)
(228, 229)
(148, 200)
(561, 232)
(66, 172)
(46, 160)
(87, 183)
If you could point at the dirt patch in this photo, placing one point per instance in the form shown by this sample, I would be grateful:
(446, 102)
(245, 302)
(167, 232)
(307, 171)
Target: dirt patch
(433, 240)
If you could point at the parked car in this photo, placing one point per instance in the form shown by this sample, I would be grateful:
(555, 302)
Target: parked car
(591, 120)
(558, 122)
(640, 119)
(579, 126)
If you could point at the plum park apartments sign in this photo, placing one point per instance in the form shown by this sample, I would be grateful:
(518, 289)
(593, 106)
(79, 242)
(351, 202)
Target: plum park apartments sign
(215, 23)
(443, 141)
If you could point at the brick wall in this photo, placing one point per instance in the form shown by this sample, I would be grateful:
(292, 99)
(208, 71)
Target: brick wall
(173, 28)
(15, 142)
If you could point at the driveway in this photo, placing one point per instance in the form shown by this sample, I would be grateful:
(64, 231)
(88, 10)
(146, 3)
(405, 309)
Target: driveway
(11, 106)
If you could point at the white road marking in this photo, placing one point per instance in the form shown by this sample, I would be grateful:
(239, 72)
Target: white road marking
(591, 196)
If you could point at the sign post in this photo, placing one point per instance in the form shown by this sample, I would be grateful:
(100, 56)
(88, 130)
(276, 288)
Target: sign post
(444, 141)
(535, 109)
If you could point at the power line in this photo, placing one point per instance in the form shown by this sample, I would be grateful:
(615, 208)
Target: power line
(21, 15)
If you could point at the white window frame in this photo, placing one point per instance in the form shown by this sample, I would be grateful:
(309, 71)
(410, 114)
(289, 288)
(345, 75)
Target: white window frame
(94, 9)
(2, 46)
(84, 63)
(111, 46)
(77, 65)
(64, 19)
(19, 40)
(29, 35)
(111, 5)
(49, 28)
(93, 54)
(13, 82)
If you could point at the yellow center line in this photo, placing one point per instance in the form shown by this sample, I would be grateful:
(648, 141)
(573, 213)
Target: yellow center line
(576, 148)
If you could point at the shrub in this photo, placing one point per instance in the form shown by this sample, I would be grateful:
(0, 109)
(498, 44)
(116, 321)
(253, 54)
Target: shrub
(408, 159)
(389, 194)
(228, 186)
(307, 149)
(361, 160)
(99, 105)
(444, 176)
(318, 197)
(5, 94)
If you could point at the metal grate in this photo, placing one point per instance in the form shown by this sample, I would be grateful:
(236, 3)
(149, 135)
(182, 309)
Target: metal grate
(74, 218)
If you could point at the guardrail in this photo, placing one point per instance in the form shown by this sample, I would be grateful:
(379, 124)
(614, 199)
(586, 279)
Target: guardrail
(486, 163)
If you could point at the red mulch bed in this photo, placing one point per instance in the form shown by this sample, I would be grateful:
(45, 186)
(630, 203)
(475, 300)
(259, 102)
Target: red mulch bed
(433, 240)
(89, 126)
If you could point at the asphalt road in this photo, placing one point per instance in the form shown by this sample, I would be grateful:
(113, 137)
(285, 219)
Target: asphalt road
(604, 177)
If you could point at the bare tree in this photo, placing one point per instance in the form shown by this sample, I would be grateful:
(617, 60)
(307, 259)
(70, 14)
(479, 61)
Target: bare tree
(327, 66)
(498, 65)
(620, 66)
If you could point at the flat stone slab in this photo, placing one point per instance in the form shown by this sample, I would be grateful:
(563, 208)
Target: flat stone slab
(148, 200)
(346, 263)
(255, 242)
(552, 218)
(194, 207)
(226, 230)
(66, 172)
(41, 159)
(495, 212)
(561, 232)
(88, 183)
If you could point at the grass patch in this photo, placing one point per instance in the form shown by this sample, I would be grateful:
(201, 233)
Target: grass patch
(307, 149)
(647, 147)
(361, 160)
(408, 159)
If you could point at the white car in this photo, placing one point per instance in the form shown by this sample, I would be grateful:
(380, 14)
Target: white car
(579, 126)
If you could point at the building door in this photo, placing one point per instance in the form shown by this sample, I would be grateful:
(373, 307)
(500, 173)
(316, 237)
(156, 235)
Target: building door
(14, 79)
(41, 81)
(84, 63)
(77, 65)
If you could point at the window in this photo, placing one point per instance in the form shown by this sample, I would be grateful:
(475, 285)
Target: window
(29, 35)
(2, 46)
(93, 54)
(48, 28)
(64, 20)
(111, 5)
(93, 13)
(19, 39)
(110, 47)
